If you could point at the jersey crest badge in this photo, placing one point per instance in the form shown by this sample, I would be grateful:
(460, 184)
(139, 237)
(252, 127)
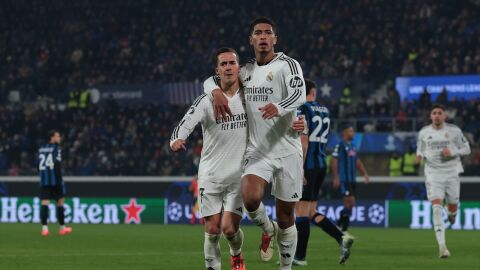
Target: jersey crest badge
(270, 76)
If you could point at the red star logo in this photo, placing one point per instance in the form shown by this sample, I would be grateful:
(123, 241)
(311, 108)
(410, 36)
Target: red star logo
(132, 211)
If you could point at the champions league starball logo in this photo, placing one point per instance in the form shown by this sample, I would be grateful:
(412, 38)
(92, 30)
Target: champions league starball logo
(376, 213)
(174, 211)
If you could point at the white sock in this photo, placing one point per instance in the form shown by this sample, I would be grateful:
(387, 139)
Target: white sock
(211, 249)
(45, 227)
(438, 226)
(235, 242)
(259, 217)
(62, 227)
(287, 243)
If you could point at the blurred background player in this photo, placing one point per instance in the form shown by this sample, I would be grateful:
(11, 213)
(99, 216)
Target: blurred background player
(195, 208)
(345, 163)
(274, 89)
(52, 186)
(314, 146)
(441, 145)
(220, 168)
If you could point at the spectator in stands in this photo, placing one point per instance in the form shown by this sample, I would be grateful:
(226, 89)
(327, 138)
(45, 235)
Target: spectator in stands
(393, 101)
(128, 42)
(424, 101)
(442, 98)
(395, 165)
(408, 166)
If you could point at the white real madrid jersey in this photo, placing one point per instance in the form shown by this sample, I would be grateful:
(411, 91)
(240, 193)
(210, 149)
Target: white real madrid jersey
(431, 143)
(279, 82)
(224, 141)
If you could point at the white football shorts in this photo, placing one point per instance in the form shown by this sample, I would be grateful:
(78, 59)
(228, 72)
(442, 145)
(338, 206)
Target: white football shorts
(216, 197)
(443, 186)
(285, 173)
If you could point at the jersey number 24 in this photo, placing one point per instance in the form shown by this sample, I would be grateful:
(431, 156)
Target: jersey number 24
(45, 161)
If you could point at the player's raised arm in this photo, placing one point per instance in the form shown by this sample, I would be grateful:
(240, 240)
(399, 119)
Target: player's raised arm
(295, 83)
(211, 87)
(461, 144)
(193, 116)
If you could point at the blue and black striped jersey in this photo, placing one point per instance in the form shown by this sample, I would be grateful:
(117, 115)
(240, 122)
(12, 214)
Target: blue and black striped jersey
(49, 165)
(318, 122)
(346, 153)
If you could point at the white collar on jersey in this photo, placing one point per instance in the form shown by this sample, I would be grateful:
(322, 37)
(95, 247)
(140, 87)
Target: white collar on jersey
(277, 55)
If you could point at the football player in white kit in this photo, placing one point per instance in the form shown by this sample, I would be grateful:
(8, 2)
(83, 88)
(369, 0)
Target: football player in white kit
(441, 145)
(221, 161)
(274, 89)
(220, 169)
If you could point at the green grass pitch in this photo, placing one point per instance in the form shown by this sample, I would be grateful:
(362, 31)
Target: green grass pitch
(181, 247)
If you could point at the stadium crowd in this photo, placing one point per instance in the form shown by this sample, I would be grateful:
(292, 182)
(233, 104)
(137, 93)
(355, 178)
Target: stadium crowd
(64, 44)
(109, 139)
(76, 45)
(102, 140)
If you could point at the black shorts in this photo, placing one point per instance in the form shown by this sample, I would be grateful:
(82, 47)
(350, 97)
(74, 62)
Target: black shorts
(315, 178)
(347, 188)
(52, 192)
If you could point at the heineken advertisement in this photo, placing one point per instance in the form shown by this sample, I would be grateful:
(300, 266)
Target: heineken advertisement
(417, 214)
(414, 214)
(85, 210)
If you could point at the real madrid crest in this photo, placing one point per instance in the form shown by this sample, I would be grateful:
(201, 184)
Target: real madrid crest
(270, 76)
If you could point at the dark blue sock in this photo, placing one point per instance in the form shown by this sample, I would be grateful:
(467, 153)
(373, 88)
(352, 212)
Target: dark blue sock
(344, 220)
(303, 228)
(327, 226)
(44, 214)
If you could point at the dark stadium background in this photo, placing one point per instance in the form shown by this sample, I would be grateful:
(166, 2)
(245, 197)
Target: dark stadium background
(115, 77)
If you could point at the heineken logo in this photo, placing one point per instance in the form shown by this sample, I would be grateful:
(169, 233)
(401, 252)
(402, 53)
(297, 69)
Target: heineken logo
(132, 211)
(468, 216)
(84, 211)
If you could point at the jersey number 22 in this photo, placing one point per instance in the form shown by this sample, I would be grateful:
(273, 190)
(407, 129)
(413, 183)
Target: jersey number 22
(320, 122)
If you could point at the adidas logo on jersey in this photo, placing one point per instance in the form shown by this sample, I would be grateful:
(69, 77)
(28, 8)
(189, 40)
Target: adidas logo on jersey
(295, 196)
(240, 209)
(248, 79)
